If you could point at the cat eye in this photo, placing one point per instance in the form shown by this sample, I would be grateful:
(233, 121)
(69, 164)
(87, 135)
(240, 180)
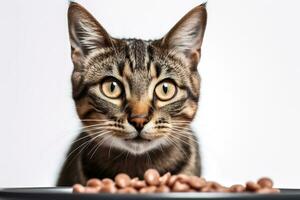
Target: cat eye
(111, 88)
(165, 90)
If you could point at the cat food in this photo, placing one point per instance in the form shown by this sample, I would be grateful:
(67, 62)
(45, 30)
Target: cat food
(154, 183)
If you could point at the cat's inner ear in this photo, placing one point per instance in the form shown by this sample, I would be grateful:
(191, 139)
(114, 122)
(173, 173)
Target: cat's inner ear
(185, 38)
(86, 34)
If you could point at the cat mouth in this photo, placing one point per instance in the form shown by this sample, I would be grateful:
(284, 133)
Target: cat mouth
(138, 139)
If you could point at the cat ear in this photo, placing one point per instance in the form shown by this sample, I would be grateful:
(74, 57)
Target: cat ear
(185, 38)
(86, 34)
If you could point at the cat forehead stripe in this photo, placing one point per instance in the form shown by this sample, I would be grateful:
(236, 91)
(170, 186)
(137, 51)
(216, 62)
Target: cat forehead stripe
(137, 52)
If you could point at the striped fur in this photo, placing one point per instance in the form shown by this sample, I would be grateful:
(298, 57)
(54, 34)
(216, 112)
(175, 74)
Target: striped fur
(107, 145)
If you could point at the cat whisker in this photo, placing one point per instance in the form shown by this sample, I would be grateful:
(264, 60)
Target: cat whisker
(180, 121)
(98, 145)
(181, 140)
(98, 124)
(110, 147)
(88, 141)
(170, 140)
(94, 128)
(149, 157)
(120, 154)
(94, 138)
(126, 156)
(180, 128)
(88, 135)
(161, 148)
(188, 136)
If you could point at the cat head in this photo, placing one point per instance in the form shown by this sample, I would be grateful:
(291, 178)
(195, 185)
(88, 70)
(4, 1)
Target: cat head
(133, 94)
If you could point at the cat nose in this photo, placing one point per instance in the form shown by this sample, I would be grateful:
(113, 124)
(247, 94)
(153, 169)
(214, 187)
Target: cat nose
(138, 121)
(139, 114)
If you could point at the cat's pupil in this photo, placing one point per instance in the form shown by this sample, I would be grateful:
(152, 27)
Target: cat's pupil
(113, 86)
(165, 88)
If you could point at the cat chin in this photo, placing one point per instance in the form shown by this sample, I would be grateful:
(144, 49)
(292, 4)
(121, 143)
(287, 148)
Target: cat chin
(135, 147)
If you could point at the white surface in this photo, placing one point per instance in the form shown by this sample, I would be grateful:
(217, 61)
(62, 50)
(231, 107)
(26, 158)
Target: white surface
(248, 120)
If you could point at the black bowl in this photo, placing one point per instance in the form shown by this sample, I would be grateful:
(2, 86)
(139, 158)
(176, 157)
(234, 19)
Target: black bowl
(65, 193)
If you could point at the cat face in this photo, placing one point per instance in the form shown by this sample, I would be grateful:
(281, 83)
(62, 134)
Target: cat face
(132, 94)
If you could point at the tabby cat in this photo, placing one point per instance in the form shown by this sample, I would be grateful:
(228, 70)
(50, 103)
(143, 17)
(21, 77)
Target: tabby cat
(135, 99)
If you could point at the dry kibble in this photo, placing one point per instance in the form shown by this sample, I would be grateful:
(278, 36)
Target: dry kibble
(163, 189)
(154, 183)
(134, 180)
(107, 181)
(183, 178)
(252, 187)
(94, 182)
(151, 177)
(264, 191)
(92, 189)
(128, 190)
(165, 178)
(237, 188)
(172, 180)
(214, 185)
(265, 182)
(197, 182)
(78, 188)
(108, 186)
(267, 190)
(206, 189)
(223, 189)
(148, 189)
(122, 180)
(275, 190)
(139, 184)
(180, 187)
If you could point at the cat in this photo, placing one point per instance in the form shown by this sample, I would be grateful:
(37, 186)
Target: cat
(135, 98)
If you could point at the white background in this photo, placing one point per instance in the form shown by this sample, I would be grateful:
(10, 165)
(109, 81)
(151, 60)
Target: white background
(248, 121)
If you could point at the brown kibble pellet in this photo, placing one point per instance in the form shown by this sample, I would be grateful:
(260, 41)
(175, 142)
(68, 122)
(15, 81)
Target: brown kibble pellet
(275, 190)
(122, 180)
(94, 182)
(183, 178)
(89, 189)
(206, 189)
(134, 180)
(163, 180)
(265, 182)
(223, 189)
(108, 188)
(138, 184)
(214, 185)
(107, 181)
(172, 180)
(154, 183)
(252, 187)
(148, 189)
(267, 190)
(163, 189)
(237, 188)
(129, 190)
(197, 182)
(78, 188)
(180, 187)
(151, 177)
